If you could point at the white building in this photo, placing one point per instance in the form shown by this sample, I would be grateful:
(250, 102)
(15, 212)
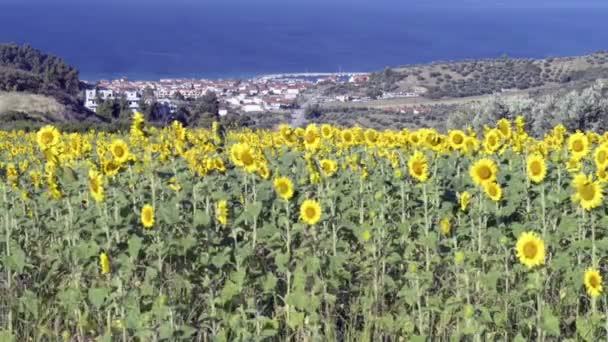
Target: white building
(92, 97)
(251, 108)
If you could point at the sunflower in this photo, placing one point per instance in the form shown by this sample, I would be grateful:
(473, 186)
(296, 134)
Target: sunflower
(263, 170)
(504, 127)
(530, 249)
(484, 170)
(221, 212)
(311, 137)
(418, 166)
(329, 167)
(588, 192)
(104, 263)
(310, 212)
(492, 141)
(493, 190)
(456, 139)
(326, 131)
(347, 137)
(593, 282)
(147, 216)
(371, 136)
(110, 167)
(464, 199)
(47, 137)
(243, 155)
(578, 144)
(284, 187)
(536, 167)
(120, 151)
(445, 226)
(96, 185)
(600, 156)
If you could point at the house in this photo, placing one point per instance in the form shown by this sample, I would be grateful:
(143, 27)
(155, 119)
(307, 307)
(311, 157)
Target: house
(251, 108)
(93, 96)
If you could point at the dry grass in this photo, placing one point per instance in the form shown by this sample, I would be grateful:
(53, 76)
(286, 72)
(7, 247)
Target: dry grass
(28, 103)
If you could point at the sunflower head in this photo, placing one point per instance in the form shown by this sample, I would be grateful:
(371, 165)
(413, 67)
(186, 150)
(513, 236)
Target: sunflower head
(329, 167)
(445, 226)
(593, 282)
(536, 168)
(96, 185)
(484, 170)
(104, 263)
(578, 144)
(284, 187)
(310, 212)
(147, 216)
(457, 139)
(120, 151)
(418, 167)
(464, 199)
(47, 137)
(530, 249)
(221, 212)
(493, 190)
(588, 193)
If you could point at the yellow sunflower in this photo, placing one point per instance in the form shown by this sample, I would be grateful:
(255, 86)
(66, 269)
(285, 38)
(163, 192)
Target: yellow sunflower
(310, 212)
(120, 151)
(484, 170)
(578, 144)
(329, 167)
(536, 167)
(464, 199)
(147, 216)
(284, 187)
(492, 141)
(493, 190)
(445, 226)
(530, 249)
(221, 212)
(47, 137)
(326, 131)
(600, 156)
(96, 185)
(593, 282)
(456, 139)
(504, 127)
(418, 167)
(104, 263)
(588, 193)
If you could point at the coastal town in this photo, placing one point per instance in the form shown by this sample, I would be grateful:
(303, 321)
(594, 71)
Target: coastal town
(263, 94)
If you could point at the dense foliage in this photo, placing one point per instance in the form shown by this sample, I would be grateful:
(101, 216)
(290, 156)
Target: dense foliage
(23, 68)
(319, 233)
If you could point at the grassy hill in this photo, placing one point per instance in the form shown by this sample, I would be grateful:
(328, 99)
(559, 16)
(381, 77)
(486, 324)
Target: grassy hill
(484, 76)
(38, 87)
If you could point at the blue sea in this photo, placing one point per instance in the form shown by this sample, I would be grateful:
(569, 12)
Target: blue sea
(152, 40)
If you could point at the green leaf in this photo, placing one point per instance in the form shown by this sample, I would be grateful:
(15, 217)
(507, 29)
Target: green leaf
(97, 296)
(550, 323)
(16, 261)
(253, 210)
(584, 329)
(201, 219)
(135, 243)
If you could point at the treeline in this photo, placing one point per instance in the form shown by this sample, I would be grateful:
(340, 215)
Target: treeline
(25, 69)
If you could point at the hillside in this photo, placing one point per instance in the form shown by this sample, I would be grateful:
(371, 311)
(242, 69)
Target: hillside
(485, 76)
(39, 87)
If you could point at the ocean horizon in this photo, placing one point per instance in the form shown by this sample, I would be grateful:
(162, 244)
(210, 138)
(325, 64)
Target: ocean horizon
(215, 40)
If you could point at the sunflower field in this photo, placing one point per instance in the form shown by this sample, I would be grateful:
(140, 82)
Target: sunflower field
(309, 234)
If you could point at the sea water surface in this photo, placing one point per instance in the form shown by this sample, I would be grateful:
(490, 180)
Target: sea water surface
(220, 40)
